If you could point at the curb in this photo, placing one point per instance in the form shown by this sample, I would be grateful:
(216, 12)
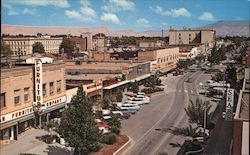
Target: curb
(123, 148)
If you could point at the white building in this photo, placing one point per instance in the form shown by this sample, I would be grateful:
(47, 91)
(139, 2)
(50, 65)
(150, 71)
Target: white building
(23, 45)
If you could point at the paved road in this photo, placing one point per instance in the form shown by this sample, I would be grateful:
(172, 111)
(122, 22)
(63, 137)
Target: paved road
(165, 111)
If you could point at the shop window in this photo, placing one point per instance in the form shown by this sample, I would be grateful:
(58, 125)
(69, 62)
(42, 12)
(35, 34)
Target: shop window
(26, 94)
(2, 100)
(3, 119)
(58, 85)
(51, 88)
(17, 96)
(44, 89)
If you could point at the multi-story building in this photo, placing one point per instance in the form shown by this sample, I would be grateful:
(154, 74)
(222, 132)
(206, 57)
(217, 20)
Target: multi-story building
(149, 43)
(240, 143)
(20, 94)
(23, 45)
(88, 40)
(80, 43)
(163, 59)
(99, 42)
(205, 37)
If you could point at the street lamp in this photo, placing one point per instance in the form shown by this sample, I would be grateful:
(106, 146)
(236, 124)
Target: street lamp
(205, 110)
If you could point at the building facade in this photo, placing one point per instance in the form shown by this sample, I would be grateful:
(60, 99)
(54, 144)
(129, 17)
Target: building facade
(149, 43)
(19, 95)
(88, 40)
(192, 36)
(166, 59)
(99, 42)
(23, 45)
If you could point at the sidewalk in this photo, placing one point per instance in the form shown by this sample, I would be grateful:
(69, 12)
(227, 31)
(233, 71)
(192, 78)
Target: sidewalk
(220, 140)
(28, 143)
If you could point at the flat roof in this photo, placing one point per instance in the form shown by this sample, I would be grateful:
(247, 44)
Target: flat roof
(187, 29)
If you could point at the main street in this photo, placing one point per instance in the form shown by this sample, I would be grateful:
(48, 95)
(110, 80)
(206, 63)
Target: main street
(149, 127)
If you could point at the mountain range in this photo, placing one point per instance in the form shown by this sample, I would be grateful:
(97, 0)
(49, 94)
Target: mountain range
(223, 28)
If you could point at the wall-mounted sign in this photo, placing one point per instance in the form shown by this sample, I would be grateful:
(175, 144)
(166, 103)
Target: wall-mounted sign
(39, 106)
(229, 104)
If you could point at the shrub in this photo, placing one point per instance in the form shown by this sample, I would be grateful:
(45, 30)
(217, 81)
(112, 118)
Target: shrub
(150, 90)
(109, 138)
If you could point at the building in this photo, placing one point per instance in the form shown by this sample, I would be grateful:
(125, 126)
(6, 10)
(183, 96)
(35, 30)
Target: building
(99, 42)
(205, 37)
(113, 74)
(23, 45)
(188, 52)
(80, 43)
(101, 56)
(165, 59)
(88, 40)
(241, 119)
(20, 94)
(149, 43)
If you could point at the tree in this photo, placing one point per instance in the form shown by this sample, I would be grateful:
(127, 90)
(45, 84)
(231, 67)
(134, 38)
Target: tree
(38, 47)
(78, 126)
(114, 124)
(153, 81)
(216, 55)
(119, 96)
(5, 50)
(68, 46)
(200, 57)
(134, 86)
(106, 103)
(195, 112)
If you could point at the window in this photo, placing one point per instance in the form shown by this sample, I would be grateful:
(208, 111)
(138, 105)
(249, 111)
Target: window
(58, 85)
(44, 89)
(2, 100)
(26, 94)
(17, 96)
(51, 87)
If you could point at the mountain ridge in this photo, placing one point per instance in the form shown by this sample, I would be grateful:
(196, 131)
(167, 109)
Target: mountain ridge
(223, 28)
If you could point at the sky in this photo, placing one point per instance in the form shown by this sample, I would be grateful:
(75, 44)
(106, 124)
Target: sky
(139, 15)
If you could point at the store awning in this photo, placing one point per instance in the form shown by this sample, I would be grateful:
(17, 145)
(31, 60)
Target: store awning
(116, 85)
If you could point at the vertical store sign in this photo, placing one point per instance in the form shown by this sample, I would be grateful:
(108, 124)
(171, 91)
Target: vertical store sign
(38, 85)
(229, 104)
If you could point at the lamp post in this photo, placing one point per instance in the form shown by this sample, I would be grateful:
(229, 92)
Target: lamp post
(205, 110)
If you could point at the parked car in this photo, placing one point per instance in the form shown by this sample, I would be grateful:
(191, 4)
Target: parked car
(141, 93)
(143, 99)
(121, 115)
(125, 110)
(137, 101)
(189, 79)
(130, 106)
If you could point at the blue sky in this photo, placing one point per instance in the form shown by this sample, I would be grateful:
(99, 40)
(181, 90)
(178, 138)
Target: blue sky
(138, 15)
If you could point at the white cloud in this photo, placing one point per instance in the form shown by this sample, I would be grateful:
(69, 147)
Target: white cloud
(207, 16)
(11, 10)
(58, 3)
(160, 11)
(85, 2)
(27, 11)
(143, 22)
(180, 12)
(110, 17)
(12, 13)
(88, 11)
(173, 12)
(73, 14)
(119, 5)
(124, 4)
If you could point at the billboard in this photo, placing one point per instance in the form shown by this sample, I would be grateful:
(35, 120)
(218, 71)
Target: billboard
(38, 104)
(229, 104)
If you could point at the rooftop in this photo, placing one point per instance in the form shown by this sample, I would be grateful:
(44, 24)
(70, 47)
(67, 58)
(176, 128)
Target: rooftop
(188, 29)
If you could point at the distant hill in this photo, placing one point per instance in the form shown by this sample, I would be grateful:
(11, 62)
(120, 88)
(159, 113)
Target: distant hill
(231, 28)
(57, 30)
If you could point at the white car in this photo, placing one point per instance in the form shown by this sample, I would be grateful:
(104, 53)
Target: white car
(135, 101)
(141, 93)
(130, 106)
(145, 99)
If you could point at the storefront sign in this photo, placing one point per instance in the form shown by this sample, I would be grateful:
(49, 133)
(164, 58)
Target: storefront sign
(39, 106)
(229, 104)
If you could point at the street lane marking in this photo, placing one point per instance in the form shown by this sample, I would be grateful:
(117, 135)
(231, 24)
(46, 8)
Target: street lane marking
(167, 135)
